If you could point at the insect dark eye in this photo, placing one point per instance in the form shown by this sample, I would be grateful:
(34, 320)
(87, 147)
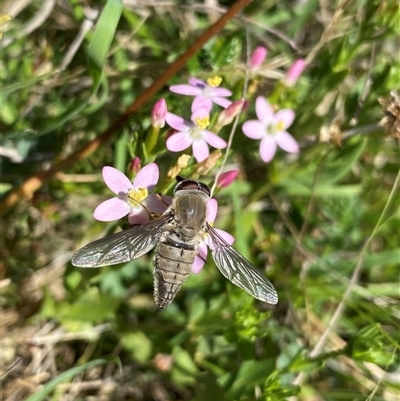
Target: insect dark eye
(191, 185)
(205, 188)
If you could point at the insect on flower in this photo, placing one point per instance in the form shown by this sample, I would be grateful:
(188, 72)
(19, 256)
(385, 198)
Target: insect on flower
(176, 236)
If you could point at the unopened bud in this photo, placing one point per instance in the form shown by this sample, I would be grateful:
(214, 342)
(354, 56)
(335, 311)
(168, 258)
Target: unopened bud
(135, 165)
(158, 114)
(258, 57)
(227, 115)
(294, 72)
(226, 179)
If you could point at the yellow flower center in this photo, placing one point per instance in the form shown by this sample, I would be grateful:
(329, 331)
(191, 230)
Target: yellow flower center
(215, 81)
(279, 126)
(135, 196)
(202, 123)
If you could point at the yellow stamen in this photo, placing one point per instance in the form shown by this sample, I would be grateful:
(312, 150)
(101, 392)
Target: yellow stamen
(215, 81)
(135, 196)
(202, 123)
(279, 126)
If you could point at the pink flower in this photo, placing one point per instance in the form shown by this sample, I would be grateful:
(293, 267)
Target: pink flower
(257, 58)
(271, 129)
(131, 197)
(226, 179)
(193, 134)
(158, 114)
(294, 72)
(205, 93)
(200, 259)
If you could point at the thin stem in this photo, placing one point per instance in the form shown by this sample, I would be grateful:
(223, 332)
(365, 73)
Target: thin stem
(236, 121)
(353, 281)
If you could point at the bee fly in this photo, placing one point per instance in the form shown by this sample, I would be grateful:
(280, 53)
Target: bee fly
(176, 235)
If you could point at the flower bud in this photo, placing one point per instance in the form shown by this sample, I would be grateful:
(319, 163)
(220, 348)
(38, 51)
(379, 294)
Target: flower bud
(226, 179)
(158, 114)
(135, 165)
(257, 58)
(294, 72)
(227, 115)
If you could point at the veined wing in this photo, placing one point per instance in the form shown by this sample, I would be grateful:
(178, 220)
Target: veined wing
(123, 246)
(237, 269)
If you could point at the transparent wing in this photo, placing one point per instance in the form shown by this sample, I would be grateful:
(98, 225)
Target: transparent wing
(123, 246)
(239, 270)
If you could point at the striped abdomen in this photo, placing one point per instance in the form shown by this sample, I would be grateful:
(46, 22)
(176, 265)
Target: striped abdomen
(172, 265)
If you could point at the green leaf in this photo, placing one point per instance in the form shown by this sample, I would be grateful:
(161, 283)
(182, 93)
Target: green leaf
(23, 84)
(184, 371)
(208, 389)
(104, 33)
(90, 307)
(139, 345)
(251, 373)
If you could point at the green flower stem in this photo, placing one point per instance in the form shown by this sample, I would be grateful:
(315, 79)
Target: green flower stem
(151, 140)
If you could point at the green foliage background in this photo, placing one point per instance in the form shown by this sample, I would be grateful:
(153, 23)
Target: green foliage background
(316, 224)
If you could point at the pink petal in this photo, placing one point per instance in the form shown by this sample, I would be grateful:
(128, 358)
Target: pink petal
(267, 148)
(214, 140)
(226, 236)
(286, 116)
(230, 239)
(221, 101)
(155, 204)
(197, 82)
(200, 112)
(212, 209)
(176, 122)
(200, 258)
(201, 101)
(218, 92)
(179, 141)
(138, 215)
(147, 177)
(116, 181)
(200, 150)
(287, 142)
(264, 111)
(111, 209)
(167, 199)
(185, 90)
(254, 129)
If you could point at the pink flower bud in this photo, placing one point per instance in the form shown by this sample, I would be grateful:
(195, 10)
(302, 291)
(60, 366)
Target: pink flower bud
(294, 72)
(135, 165)
(158, 114)
(227, 115)
(258, 57)
(226, 179)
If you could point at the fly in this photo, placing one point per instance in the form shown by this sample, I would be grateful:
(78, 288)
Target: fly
(176, 235)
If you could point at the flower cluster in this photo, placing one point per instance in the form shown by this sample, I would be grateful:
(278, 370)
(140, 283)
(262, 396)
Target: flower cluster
(134, 198)
(194, 133)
